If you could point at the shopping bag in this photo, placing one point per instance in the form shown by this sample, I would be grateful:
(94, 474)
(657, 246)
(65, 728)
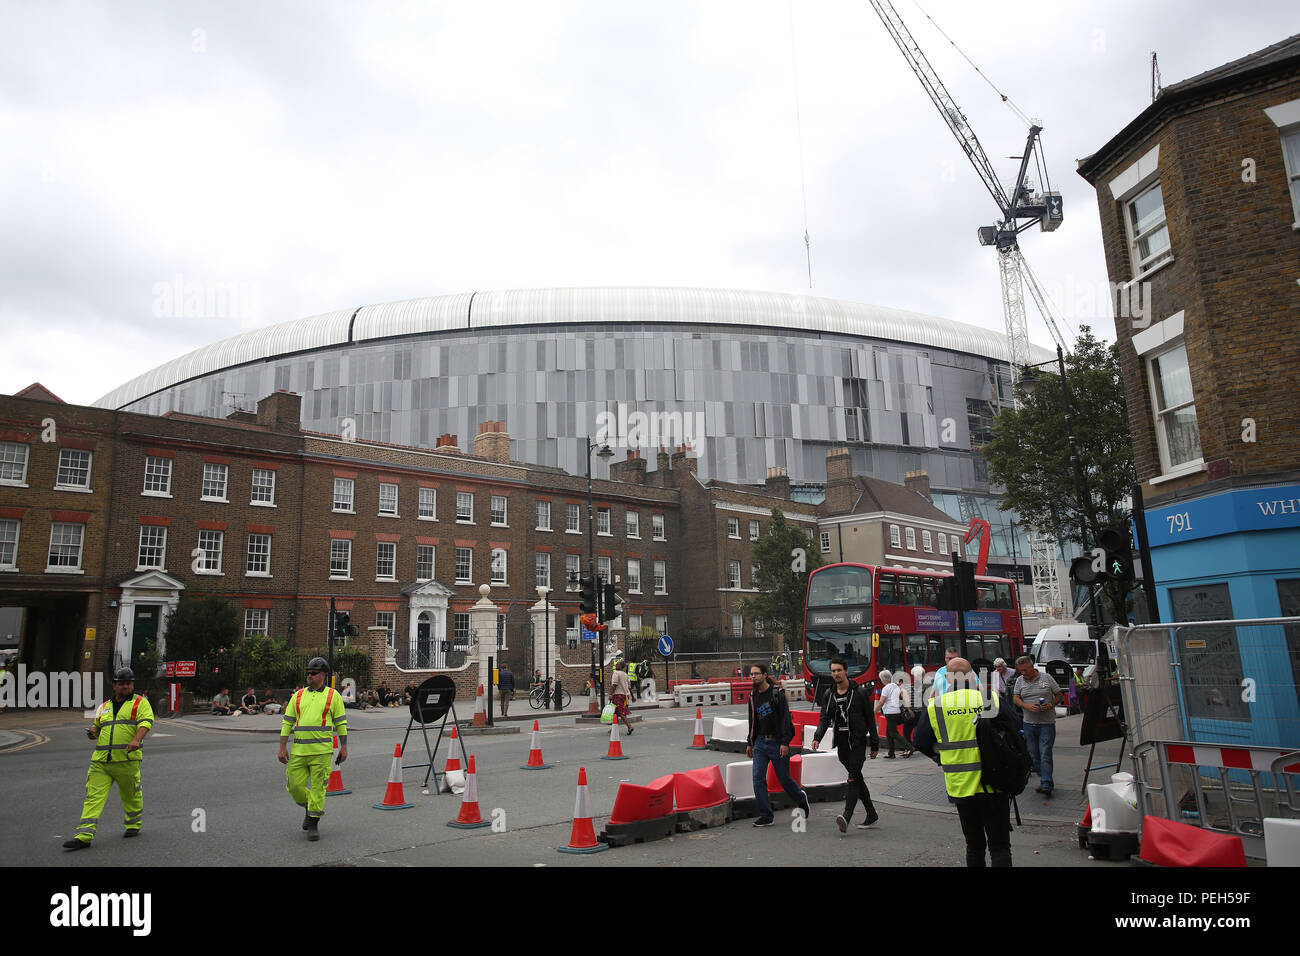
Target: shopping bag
(607, 715)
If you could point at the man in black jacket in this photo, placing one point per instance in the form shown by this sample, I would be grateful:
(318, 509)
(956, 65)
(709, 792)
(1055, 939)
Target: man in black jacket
(846, 708)
(770, 730)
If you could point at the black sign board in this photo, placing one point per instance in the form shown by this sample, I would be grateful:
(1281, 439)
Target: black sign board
(433, 699)
(858, 616)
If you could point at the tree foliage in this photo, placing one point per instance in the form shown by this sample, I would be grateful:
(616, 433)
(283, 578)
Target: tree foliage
(197, 627)
(785, 556)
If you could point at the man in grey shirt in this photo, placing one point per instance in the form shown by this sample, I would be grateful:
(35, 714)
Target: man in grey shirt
(1037, 695)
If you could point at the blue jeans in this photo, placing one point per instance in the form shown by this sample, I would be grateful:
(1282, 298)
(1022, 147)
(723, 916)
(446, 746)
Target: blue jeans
(1040, 738)
(769, 751)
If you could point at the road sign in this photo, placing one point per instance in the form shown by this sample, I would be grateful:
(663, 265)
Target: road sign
(170, 669)
(185, 668)
(665, 646)
(589, 635)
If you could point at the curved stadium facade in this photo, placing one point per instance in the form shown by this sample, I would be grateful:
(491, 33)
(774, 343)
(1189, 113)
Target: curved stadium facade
(774, 379)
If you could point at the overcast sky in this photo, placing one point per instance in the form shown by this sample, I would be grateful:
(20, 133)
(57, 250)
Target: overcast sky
(316, 156)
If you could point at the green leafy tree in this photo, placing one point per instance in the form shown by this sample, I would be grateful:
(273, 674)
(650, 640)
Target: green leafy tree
(204, 630)
(354, 662)
(268, 662)
(1030, 451)
(785, 557)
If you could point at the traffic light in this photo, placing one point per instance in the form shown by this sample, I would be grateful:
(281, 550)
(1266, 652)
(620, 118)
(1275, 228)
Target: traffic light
(957, 593)
(342, 627)
(613, 604)
(1119, 556)
(588, 591)
(948, 598)
(966, 581)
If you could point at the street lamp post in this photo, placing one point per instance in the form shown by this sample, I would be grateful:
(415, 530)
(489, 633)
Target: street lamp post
(606, 453)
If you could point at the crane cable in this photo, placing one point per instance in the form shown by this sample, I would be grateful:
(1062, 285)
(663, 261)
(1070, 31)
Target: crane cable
(798, 122)
(1011, 105)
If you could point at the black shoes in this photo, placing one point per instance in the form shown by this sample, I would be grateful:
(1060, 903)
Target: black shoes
(128, 834)
(764, 822)
(803, 804)
(872, 817)
(313, 834)
(306, 821)
(75, 844)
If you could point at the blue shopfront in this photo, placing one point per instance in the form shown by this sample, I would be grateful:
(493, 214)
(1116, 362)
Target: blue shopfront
(1233, 555)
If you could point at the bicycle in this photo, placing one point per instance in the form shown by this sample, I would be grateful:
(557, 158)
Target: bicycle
(538, 698)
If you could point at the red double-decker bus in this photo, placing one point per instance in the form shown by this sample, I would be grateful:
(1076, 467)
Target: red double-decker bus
(884, 618)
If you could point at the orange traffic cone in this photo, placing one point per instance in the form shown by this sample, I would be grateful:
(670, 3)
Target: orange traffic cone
(615, 748)
(335, 786)
(453, 760)
(480, 709)
(593, 702)
(453, 775)
(535, 761)
(469, 818)
(699, 743)
(583, 837)
(394, 798)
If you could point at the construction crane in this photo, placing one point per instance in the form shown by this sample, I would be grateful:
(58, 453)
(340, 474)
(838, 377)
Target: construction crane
(1018, 209)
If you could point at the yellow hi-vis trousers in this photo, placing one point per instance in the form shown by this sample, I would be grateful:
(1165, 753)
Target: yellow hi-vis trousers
(99, 780)
(306, 780)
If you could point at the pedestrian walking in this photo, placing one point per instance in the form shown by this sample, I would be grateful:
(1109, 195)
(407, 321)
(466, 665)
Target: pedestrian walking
(770, 729)
(1037, 694)
(946, 733)
(505, 688)
(1002, 680)
(891, 705)
(845, 710)
(118, 729)
(314, 715)
(619, 690)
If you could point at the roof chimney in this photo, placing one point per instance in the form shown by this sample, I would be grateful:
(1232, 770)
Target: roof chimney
(447, 444)
(778, 482)
(280, 411)
(492, 442)
(919, 482)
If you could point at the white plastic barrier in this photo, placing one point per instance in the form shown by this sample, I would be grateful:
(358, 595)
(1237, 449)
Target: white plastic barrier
(703, 695)
(727, 728)
(1114, 805)
(810, 731)
(794, 689)
(739, 778)
(1282, 841)
(822, 769)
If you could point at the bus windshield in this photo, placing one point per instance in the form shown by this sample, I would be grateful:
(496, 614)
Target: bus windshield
(832, 586)
(823, 645)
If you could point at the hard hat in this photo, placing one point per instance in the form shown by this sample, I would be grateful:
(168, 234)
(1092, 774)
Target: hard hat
(318, 664)
(124, 673)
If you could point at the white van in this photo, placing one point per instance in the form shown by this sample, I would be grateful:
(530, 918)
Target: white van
(1070, 643)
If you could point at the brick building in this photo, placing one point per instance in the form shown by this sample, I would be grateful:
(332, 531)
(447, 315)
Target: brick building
(1199, 197)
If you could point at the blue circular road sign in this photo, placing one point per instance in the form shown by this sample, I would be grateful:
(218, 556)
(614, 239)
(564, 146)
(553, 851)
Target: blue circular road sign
(665, 645)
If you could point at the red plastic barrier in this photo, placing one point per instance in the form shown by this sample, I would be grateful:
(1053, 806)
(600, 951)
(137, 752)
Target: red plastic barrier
(740, 691)
(796, 774)
(801, 719)
(696, 789)
(635, 803)
(1166, 843)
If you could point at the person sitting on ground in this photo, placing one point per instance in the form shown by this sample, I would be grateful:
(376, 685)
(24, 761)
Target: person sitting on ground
(221, 703)
(372, 698)
(350, 696)
(248, 703)
(268, 703)
(408, 695)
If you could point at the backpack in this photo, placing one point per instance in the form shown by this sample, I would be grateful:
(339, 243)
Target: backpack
(1004, 758)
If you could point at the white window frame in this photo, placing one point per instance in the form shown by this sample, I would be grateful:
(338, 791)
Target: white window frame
(211, 478)
(1292, 171)
(572, 563)
(909, 533)
(733, 528)
(542, 569)
(72, 453)
(257, 621)
(661, 577)
(392, 489)
(151, 530)
(755, 530)
(572, 519)
(633, 576)
(826, 542)
(927, 542)
(605, 568)
(206, 562)
(10, 461)
(388, 621)
(460, 633)
(429, 497)
(661, 623)
(497, 576)
(895, 537)
(503, 511)
(1167, 468)
(464, 515)
(345, 496)
(658, 528)
(943, 543)
(166, 490)
(468, 577)
(543, 516)
(733, 575)
(634, 624)
(385, 556)
(61, 527)
(633, 519)
(603, 523)
(263, 557)
(341, 548)
(1145, 267)
(254, 500)
(420, 564)
(11, 565)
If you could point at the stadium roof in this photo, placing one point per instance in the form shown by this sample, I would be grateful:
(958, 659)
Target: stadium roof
(598, 306)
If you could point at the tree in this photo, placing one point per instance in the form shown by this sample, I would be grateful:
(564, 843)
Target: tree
(785, 556)
(1030, 451)
(197, 627)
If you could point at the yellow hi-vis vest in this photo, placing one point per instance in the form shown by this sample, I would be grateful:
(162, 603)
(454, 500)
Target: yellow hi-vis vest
(116, 732)
(314, 717)
(953, 719)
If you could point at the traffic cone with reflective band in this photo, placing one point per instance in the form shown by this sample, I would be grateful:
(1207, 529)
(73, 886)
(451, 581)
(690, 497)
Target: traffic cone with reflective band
(469, 818)
(615, 747)
(335, 787)
(453, 776)
(480, 709)
(593, 702)
(699, 743)
(394, 798)
(535, 761)
(583, 837)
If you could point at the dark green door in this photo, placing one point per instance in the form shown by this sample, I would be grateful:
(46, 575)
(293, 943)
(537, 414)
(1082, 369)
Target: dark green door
(145, 630)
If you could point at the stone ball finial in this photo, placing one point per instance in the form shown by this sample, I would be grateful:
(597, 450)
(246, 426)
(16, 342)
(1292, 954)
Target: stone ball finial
(484, 591)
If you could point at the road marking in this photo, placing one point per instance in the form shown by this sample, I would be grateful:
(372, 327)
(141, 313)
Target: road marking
(164, 735)
(34, 740)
